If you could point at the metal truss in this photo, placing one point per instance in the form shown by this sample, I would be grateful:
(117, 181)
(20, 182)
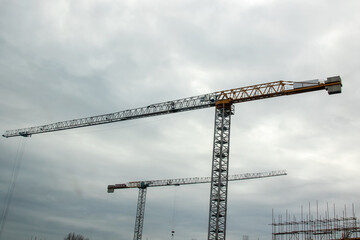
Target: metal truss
(236, 95)
(139, 221)
(219, 174)
(193, 180)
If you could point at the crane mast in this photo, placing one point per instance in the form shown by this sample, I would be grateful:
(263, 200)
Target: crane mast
(143, 185)
(223, 102)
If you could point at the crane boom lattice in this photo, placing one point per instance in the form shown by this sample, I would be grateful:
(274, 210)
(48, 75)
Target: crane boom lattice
(237, 95)
(193, 180)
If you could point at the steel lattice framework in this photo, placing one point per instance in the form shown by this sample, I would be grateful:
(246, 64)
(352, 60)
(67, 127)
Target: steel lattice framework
(219, 177)
(220, 100)
(193, 180)
(315, 227)
(139, 220)
(237, 95)
(143, 185)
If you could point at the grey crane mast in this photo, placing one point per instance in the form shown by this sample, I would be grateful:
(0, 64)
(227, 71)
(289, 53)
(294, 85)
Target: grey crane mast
(140, 213)
(143, 185)
(223, 102)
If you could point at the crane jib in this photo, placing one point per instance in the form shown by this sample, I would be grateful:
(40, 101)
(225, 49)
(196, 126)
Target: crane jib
(193, 180)
(219, 99)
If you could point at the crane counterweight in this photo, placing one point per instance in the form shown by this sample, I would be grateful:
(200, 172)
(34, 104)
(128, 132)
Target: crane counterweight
(335, 87)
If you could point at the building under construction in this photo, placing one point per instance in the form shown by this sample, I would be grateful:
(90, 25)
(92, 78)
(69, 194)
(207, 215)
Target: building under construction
(310, 227)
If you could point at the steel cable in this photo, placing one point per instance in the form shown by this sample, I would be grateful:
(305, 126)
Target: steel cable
(13, 179)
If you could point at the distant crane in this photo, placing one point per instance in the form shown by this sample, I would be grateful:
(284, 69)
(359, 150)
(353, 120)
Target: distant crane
(223, 101)
(143, 185)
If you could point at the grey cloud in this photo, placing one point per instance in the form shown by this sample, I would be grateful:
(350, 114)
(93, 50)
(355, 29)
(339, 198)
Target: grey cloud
(66, 60)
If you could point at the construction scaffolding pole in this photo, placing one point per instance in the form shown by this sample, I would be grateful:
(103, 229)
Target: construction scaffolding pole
(316, 228)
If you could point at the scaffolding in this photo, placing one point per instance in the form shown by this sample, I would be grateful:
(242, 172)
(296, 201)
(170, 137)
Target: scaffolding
(317, 227)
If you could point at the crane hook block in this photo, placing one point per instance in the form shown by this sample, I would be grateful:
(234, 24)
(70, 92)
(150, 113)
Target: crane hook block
(333, 88)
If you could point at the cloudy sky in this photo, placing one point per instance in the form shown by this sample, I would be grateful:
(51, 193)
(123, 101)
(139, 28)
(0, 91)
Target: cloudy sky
(61, 60)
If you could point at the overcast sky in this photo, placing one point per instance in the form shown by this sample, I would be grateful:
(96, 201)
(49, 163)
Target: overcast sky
(61, 60)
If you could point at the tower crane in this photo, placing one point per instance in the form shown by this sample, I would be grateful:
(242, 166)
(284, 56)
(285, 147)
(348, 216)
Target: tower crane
(223, 102)
(143, 185)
